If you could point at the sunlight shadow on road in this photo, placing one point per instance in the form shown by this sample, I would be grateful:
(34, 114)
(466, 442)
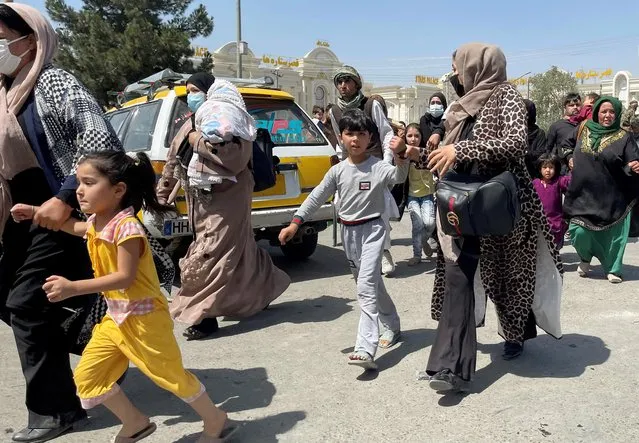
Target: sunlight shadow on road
(263, 430)
(313, 310)
(234, 390)
(543, 357)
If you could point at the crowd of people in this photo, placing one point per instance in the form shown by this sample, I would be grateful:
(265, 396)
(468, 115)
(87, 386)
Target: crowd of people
(80, 274)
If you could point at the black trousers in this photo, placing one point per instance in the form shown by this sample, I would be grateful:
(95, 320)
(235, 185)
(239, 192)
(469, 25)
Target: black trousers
(30, 255)
(455, 346)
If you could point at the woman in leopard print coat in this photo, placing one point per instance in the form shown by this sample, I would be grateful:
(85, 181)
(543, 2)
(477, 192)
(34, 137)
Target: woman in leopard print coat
(487, 134)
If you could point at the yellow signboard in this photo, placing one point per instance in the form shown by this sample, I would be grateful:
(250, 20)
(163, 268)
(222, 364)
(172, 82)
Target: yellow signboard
(323, 44)
(426, 80)
(200, 51)
(523, 81)
(280, 61)
(583, 75)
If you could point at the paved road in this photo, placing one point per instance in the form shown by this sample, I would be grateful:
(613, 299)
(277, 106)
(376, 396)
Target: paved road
(284, 372)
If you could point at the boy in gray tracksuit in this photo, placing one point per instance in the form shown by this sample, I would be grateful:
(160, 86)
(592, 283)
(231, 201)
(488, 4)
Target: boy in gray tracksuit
(361, 180)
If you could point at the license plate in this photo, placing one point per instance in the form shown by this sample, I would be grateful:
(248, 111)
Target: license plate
(177, 226)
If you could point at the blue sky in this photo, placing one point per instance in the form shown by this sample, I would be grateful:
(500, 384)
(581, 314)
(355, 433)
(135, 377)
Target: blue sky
(391, 42)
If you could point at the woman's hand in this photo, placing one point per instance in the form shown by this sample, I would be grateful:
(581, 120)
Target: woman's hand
(58, 289)
(433, 141)
(571, 163)
(634, 165)
(442, 159)
(22, 212)
(288, 233)
(52, 214)
(412, 152)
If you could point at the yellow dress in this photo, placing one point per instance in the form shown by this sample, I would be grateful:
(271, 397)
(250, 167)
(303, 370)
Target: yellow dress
(137, 328)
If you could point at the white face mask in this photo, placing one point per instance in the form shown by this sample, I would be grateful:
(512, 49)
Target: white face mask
(9, 62)
(436, 110)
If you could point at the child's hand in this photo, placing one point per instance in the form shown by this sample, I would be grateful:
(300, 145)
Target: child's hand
(22, 212)
(58, 289)
(570, 163)
(397, 145)
(288, 233)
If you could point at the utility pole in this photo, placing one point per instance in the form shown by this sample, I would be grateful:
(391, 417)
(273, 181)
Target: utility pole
(239, 47)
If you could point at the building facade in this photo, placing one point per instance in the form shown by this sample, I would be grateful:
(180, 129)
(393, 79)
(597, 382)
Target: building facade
(310, 79)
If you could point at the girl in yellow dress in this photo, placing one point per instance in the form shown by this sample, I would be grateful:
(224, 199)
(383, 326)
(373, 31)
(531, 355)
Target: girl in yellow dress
(138, 328)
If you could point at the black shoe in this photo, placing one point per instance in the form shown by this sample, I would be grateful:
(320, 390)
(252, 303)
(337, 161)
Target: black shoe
(206, 327)
(512, 350)
(447, 381)
(34, 435)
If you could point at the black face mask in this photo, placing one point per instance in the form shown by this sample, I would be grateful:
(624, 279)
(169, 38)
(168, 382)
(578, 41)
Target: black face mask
(459, 88)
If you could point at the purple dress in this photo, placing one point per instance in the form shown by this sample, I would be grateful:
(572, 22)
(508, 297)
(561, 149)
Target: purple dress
(550, 195)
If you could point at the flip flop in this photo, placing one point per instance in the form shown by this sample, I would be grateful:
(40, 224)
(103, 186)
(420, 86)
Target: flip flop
(230, 428)
(389, 339)
(150, 429)
(363, 360)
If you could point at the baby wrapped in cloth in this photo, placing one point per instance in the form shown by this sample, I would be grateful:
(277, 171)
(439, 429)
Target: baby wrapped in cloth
(221, 117)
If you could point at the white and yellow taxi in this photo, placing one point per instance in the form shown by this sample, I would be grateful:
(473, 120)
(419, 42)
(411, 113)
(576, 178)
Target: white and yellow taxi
(149, 123)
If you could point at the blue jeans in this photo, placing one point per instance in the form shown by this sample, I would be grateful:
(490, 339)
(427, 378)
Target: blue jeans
(422, 214)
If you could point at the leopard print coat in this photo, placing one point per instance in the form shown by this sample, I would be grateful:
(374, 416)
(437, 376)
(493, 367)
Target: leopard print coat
(508, 263)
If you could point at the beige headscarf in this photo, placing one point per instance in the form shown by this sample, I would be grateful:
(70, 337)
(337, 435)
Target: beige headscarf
(16, 154)
(481, 68)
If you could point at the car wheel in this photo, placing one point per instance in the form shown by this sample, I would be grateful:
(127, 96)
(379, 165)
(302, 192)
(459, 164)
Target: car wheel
(301, 250)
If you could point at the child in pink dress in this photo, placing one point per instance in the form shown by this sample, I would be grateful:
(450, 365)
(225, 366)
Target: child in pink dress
(550, 188)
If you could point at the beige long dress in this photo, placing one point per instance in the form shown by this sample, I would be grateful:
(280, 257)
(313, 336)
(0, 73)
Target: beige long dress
(224, 272)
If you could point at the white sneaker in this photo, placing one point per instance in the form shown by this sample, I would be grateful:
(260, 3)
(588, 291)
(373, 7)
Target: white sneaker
(414, 261)
(612, 278)
(583, 269)
(388, 266)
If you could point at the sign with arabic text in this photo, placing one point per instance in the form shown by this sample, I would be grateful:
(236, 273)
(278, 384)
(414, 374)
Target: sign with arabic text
(323, 44)
(282, 62)
(586, 75)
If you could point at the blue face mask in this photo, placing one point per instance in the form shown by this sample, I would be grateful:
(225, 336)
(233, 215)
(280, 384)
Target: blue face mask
(195, 100)
(436, 110)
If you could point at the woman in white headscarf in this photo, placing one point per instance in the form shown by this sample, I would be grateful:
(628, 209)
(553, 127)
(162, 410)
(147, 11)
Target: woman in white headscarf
(47, 121)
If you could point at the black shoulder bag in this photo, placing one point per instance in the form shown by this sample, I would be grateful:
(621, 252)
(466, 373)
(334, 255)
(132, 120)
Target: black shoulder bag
(473, 205)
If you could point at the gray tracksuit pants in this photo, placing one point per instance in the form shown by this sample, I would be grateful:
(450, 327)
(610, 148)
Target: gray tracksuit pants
(364, 245)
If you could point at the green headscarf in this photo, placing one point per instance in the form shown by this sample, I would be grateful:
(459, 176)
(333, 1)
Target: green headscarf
(597, 131)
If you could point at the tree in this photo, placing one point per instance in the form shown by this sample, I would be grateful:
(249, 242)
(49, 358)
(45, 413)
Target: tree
(207, 64)
(108, 44)
(548, 91)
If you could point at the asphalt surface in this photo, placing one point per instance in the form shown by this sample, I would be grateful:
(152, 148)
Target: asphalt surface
(283, 373)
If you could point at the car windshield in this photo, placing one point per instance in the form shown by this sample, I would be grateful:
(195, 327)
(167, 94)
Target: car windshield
(135, 126)
(285, 121)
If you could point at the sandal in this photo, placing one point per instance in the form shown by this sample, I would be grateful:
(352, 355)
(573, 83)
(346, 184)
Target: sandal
(389, 339)
(363, 360)
(207, 327)
(230, 428)
(150, 429)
